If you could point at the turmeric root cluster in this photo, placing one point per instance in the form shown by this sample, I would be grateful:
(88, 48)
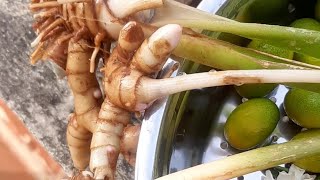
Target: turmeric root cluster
(73, 33)
(95, 130)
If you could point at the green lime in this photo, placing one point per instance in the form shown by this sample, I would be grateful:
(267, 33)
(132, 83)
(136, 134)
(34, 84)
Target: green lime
(251, 123)
(311, 164)
(262, 11)
(255, 90)
(306, 23)
(317, 11)
(261, 90)
(303, 107)
(267, 48)
(311, 24)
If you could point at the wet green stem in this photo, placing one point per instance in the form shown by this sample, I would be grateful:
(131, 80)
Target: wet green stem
(253, 160)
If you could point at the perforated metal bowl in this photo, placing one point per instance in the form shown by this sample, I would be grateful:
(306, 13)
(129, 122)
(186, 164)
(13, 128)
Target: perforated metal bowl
(186, 129)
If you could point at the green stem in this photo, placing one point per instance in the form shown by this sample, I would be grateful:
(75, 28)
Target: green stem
(295, 39)
(298, 40)
(226, 56)
(253, 160)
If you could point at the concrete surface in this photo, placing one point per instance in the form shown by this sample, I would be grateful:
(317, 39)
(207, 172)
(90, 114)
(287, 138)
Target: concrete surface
(39, 98)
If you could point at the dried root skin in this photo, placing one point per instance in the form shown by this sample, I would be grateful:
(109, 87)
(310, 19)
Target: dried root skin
(57, 50)
(53, 37)
(53, 50)
(85, 19)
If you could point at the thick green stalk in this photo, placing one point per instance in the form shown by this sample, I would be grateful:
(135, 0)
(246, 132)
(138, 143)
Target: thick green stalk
(253, 160)
(298, 40)
(295, 39)
(226, 56)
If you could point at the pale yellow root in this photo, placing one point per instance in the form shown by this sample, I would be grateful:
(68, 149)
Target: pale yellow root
(83, 85)
(79, 140)
(97, 42)
(107, 129)
(105, 146)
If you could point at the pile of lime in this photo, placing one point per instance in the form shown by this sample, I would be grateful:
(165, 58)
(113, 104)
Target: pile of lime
(302, 107)
(253, 122)
(262, 90)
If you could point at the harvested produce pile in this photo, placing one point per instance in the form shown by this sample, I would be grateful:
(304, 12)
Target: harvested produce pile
(74, 33)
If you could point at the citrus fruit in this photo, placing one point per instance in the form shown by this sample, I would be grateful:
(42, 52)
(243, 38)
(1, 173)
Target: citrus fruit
(312, 163)
(261, 11)
(306, 23)
(261, 90)
(251, 123)
(303, 107)
(311, 24)
(270, 49)
(255, 90)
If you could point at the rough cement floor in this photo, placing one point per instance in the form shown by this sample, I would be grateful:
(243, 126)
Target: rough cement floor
(39, 98)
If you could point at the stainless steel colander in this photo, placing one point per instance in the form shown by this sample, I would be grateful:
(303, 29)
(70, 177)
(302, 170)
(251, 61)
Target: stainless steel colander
(186, 129)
